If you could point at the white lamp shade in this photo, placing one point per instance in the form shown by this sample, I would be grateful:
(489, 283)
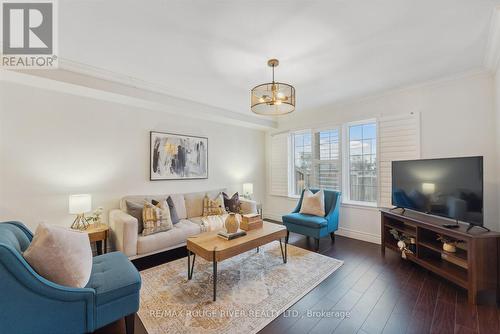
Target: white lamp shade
(80, 204)
(248, 188)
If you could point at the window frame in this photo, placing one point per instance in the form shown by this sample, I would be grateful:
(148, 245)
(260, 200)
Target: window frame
(292, 183)
(291, 154)
(346, 185)
(340, 150)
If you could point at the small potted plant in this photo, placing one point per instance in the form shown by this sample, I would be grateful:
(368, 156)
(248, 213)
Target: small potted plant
(95, 218)
(449, 244)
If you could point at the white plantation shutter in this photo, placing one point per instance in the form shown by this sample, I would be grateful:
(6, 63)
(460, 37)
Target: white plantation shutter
(279, 165)
(327, 159)
(399, 139)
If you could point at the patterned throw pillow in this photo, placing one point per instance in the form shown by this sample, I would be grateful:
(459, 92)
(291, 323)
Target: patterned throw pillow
(213, 207)
(171, 207)
(156, 218)
(232, 204)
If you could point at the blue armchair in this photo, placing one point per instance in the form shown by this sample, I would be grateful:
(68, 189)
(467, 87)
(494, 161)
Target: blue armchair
(314, 226)
(31, 304)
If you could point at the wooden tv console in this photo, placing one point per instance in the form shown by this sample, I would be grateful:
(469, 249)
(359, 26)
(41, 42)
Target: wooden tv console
(474, 266)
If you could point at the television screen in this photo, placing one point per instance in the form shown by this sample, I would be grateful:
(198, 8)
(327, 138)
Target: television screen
(450, 187)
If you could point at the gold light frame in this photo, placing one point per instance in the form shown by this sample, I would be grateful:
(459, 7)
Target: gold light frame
(273, 98)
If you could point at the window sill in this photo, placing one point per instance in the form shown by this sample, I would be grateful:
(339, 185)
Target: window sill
(360, 205)
(287, 197)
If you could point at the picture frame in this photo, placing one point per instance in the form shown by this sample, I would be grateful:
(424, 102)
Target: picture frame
(175, 156)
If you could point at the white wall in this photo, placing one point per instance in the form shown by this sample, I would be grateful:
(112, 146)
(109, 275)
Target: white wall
(496, 88)
(457, 119)
(55, 144)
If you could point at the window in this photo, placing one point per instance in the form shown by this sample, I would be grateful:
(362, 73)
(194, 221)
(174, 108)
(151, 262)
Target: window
(361, 163)
(301, 161)
(316, 160)
(327, 159)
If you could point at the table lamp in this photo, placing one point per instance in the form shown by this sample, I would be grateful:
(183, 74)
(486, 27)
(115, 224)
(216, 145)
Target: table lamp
(79, 205)
(248, 190)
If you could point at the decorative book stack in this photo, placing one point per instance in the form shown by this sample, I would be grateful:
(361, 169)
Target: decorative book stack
(251, 221)
(230, 236)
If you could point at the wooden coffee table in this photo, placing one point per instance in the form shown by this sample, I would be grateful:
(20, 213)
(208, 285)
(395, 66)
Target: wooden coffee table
(215, 249)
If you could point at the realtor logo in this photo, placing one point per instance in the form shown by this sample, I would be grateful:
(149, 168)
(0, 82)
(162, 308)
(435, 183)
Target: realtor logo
(28, 34)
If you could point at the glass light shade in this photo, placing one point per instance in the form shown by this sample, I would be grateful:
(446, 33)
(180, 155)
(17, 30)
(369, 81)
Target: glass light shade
(272, 99)
(248, 188)
(79, 204)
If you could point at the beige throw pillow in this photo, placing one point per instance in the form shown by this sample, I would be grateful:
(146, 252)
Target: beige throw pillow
(156, 218)
(213, 207)
(61, 255)
(313, 204)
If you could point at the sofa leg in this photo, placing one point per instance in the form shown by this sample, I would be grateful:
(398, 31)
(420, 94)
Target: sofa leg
(332, 235)
(287, 235)
(129, 323)
(316, 241)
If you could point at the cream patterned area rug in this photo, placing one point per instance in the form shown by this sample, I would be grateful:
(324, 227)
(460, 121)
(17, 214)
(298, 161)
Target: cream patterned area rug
(252, 290)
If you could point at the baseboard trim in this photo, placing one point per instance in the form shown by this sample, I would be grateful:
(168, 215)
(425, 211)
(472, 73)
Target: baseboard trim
(359, 235)
(345, 232)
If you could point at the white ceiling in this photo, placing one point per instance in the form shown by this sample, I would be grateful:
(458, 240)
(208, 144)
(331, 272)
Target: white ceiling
(214, 51)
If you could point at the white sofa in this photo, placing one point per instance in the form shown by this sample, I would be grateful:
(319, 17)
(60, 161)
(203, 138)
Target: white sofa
(189, 207)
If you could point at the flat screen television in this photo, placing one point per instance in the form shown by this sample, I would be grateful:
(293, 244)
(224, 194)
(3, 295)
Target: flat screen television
(449, 187)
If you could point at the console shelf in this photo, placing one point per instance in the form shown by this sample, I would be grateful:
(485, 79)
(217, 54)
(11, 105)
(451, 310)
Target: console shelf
(474, 265)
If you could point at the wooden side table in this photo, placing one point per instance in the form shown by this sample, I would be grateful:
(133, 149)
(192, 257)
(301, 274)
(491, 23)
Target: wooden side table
(99, 235)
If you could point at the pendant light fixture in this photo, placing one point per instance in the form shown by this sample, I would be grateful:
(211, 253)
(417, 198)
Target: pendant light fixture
(275, 98)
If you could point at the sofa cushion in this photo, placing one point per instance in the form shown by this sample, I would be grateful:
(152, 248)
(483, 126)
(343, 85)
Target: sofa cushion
(113, 276)
(305, 220)
(168, 239)
(194, 204)
(135, 210)
(61, 255)
(180, 205)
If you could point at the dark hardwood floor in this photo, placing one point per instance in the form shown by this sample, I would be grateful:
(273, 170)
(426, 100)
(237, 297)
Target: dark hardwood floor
(380, 295)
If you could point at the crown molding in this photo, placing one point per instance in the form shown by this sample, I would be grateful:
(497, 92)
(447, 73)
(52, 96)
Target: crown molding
(492, 55)
(104, 74)
(87, 81)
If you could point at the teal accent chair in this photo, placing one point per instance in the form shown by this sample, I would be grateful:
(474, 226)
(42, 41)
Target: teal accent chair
(31, 304)
(315, 226)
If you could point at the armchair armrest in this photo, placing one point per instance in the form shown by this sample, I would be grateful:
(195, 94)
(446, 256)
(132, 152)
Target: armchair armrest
(333, 216)
(248, 206)
(299, 203)
(124, 229)
(41, 300)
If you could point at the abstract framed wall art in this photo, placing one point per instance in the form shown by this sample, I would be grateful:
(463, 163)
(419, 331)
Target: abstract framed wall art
(177, 157)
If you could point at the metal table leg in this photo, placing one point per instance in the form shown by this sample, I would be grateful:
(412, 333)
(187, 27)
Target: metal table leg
(191, 266)
(283, 254)
(215, 276)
